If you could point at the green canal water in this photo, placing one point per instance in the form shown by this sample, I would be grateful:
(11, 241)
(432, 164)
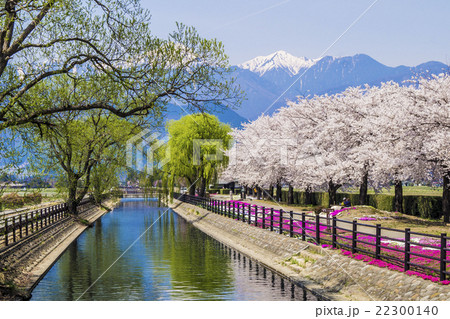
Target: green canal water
(171, 261)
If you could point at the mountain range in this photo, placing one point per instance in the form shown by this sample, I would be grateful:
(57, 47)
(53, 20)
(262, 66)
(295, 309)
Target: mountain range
(265, 78)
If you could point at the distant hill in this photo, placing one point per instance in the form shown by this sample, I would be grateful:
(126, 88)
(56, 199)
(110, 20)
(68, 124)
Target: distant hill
(265, 78)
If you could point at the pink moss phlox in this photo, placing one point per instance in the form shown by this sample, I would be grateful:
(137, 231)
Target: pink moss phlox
(334, 213)
(383, 264)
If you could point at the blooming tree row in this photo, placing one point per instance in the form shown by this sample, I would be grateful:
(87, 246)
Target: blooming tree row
(363, 136)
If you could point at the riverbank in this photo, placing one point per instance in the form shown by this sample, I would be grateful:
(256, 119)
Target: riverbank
(323, 271)
(24, 264)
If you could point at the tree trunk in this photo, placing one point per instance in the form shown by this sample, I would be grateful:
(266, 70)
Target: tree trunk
(332, 188)
(258, 192)
(191, 189)
(398, 199)
(271, 192)
(72, 198)
(308, 196)
(202, 189)
(290, 195)
(446, 198)
(278, 197)
(363, 189)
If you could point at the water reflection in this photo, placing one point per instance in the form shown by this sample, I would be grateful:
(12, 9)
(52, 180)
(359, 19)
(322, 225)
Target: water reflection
(172, 260)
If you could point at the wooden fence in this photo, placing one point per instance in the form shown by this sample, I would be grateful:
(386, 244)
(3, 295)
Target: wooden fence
(14, 228)
(399, 249)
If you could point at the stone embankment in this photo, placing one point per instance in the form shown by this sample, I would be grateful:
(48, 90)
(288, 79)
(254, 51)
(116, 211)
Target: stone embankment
(323, 271)
(24, 264)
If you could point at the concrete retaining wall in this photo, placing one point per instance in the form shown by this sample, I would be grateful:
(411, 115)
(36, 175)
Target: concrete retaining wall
(324, 271)
(25, 264)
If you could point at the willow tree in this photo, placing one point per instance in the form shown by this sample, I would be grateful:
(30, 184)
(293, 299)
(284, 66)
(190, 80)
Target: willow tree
(78, 147)
(196, 145)
(81, 40)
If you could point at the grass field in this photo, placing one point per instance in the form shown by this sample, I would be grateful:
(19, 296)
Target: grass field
(407, 190)
(46, 192)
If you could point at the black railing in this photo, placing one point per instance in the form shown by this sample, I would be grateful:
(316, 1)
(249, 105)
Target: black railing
(14, 228)
(426, 252)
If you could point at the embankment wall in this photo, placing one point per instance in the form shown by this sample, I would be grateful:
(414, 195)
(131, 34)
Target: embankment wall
(26, 262)
(323, 271)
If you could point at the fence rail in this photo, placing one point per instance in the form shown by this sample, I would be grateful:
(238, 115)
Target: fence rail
(13, 229)
(426, 253)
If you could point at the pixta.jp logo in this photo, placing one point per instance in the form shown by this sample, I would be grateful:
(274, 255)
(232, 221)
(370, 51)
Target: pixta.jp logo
(141, 150)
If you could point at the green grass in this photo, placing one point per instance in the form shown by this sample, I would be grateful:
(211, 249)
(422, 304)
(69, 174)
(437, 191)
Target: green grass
(407, 190)
(47, 192)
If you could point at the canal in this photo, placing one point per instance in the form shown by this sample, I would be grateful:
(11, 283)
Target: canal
(171, 261)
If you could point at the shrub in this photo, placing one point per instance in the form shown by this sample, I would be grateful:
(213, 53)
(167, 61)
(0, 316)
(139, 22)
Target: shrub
(423, 206)
(33, 198)
(382, 202)
(12, 200)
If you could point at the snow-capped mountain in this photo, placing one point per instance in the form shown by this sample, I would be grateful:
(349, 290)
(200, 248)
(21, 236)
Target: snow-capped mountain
(279, 61)
(265, 78)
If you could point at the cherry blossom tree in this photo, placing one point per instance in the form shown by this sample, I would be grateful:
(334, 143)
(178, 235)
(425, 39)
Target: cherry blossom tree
(378, 136)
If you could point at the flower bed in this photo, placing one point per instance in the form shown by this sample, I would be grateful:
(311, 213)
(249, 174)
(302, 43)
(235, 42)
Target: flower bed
(391, 249)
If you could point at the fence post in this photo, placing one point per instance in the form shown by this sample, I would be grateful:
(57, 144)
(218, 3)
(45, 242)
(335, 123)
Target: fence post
(263, 217)
(249, 214)
(334, 231)
(40, 215)
(291, 224)
(20, 225)
(256, 215)
(14, 229)
(271, 219)
(234, 210)
(6, 232)
(318, 228)
(238, 210)
(407, 248)
(280, 229)
(26, 224)
(354, 235)
(378, 242)
(443, 257)
(303, 225)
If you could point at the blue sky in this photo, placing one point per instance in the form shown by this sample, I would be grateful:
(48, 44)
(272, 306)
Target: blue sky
(393, 32)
